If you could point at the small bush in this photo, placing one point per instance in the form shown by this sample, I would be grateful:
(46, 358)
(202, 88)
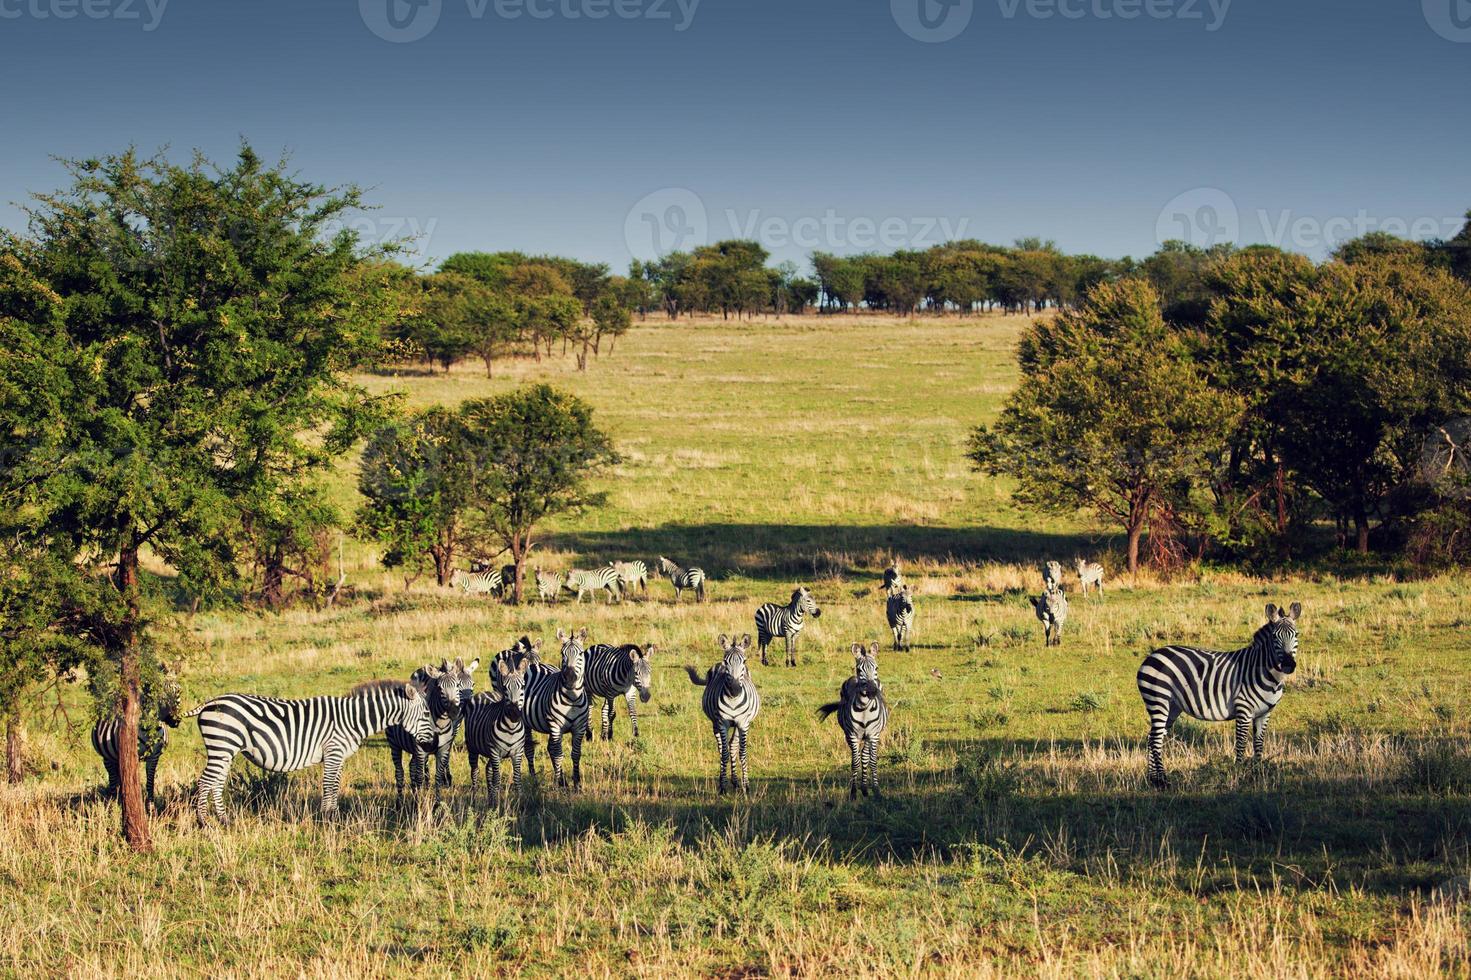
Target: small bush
(1088, 702)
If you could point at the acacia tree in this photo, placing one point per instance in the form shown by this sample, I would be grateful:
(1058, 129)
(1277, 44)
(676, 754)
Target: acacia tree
(1111, 414)
(532, 451)
(185, 331)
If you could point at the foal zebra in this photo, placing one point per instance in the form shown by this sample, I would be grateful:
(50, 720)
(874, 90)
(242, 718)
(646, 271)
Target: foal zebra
(786, 622)
(1090, 573)
(605, 578)
(863, 714)
(487, 582)
(899, 609)
(731, 703)
(151, 740)
(1051, 609)
(1244, 685)
(557, 704)
(448, 687)
(614, 672)
(495, 726)
(633, 576)
(682, 578)
(282, 736)
(548, 585)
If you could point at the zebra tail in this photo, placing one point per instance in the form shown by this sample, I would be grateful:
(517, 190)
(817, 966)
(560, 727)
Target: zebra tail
(827, 710)
(695, 677)
(193, 712)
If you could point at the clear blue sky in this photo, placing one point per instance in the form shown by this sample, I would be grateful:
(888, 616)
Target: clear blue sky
(807, 122)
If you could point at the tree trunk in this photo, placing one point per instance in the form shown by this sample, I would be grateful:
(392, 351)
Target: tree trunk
(15, 768)
(518, 557)
(444, 563)
(1134, 534)
(273, 584)
(1361, 525)
(126, 641)
(487, 365)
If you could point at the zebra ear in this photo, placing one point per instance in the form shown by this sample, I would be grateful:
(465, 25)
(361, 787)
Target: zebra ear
(473, 664)
(1296, 611)
(745, 641)
(1271, 612)
(503, 668)
(411, 692)
(857, 649)
(561, 636)
(649, 651)
(724, 641)
(582, 635)
(873, 650)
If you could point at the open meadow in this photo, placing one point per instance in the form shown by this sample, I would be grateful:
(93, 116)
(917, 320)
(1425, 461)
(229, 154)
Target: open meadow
(1015, 833)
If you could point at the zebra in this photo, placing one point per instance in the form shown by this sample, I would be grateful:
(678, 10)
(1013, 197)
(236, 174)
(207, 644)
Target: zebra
(1051, 607)
(682, 578)
(151, 741)
(557, 703)
(730, 702)
(486, 582)
(900, 611)
(893, 577)
(863, 714)
(1090, 573)
(605, 578)
(614, 672)
(495, 726)
(1051, 575)
(632, 576)
(282, 736)
(1244, 685)
(548, 585)
(445, 701)
(786, 621)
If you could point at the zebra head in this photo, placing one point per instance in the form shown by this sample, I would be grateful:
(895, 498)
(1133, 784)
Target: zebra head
(733, 663)
(1280, 632)
(418, 719)
(903, 599)
(802, 601)
(463, 675)
(1051, 573)
(662, 566)
(574, 656)
(642, 673)
(441, 694)
(166, 696)
(866, 669)
(511, 682)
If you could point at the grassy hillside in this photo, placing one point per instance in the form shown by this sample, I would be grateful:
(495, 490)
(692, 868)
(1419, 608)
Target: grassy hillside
(1015, 834)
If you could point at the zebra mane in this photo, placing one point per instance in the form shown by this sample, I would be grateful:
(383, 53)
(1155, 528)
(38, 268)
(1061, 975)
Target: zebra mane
(397, 687)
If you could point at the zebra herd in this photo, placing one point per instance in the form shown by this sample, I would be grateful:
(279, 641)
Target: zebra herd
(616, 580)
(422, 718)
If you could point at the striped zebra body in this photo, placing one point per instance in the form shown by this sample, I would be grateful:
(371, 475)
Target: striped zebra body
(548, 585)
(591, 581)
(448, 687)
(863, 714)
(486, 582)
(730, 702)
(1051, 608)
(632, 576)
(283, 736)
(1051, 576)
(495, 728)
(151, 741)
(557, 703)
(893, 577)
(1242, 685)
(618, 672)
(899, 610)
(683, 578)
(1090, 573)
(786, 622)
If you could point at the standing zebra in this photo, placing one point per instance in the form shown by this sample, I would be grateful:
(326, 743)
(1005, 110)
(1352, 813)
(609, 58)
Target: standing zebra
(557, 704)
(1244, 685)
(605, 578)
(1051, 609)
(487, 582)
(548, 585)
(893, 577)
(900, 611)
(682, 578)
(633, 576)
(731, 703)
(448, 687)
(152, 740)
(1090, 573)
(786, 621)
(282, 736)
(863, 714)
(614, 672)
(1051, 575)
(495, 726)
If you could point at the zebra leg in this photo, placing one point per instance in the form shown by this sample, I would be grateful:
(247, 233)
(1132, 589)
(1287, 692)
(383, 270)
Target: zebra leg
(530, 753)
(493, 779)
(576, 760)
(700, 592)
(150, 767)
(607, 721)
(515, 773)
(632, 711)
(856, 749)
(332, 761)
(765, 641)
(398, 770)
(873, 765)
(1243, 734)
(475, 765)
(554, 749)
(112, 778)
(722, 744)
(745, 782)
(791, 651)
(1259, 734)
(211, 791)
(442, 774)
(1160, 716)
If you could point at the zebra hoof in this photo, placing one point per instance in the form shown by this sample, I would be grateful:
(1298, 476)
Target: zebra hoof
(1159, 781)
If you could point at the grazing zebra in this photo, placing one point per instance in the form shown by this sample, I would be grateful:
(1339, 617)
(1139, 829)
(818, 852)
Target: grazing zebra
(632, 576)
(1090, 573)
(731, 703)
(1244, 685)
(487, 582)
(900, 611)
(786, 621)
(151, 741)
(1051, 609)
(282, 736)
(1051, 576)
(893, 578)
(605, 578)
(863, 714)
(548, 585)
(557, 703)
(682, 578)
(448, 687)
(614, 672)
(495, 726)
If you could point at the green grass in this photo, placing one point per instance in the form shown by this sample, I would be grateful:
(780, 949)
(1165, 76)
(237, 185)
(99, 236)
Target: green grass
(1015, 834)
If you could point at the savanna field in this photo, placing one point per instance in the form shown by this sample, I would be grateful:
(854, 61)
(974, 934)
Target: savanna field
(1015, 834)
